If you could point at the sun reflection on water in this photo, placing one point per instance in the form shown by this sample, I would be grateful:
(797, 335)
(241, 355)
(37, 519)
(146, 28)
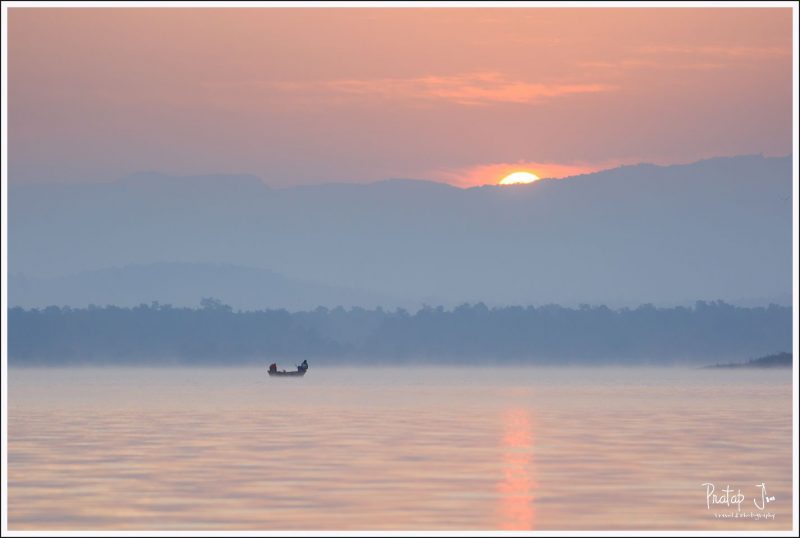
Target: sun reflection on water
(516, 508)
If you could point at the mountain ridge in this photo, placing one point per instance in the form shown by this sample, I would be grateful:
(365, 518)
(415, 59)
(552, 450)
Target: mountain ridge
(717, 229)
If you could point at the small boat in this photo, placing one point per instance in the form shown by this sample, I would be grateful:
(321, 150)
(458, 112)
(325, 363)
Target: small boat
(300, 372)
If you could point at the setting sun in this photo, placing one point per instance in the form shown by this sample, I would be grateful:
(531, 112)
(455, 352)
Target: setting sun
(517, 178)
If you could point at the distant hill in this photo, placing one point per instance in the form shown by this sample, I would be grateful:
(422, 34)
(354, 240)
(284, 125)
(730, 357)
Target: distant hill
(184, 284)
(715, 229)
(777, 360)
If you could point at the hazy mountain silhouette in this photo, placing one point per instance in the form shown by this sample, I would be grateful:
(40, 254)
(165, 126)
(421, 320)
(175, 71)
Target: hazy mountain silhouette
(715, 229)
(184, 284)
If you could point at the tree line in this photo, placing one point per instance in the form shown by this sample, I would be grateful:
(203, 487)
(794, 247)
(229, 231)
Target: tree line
(215, 333)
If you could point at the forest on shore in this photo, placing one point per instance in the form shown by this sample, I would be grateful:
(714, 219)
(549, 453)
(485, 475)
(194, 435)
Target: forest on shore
(215, 334)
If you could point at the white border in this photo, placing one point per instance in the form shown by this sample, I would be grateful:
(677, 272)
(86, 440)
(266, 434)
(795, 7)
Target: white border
(388, 4)
(400, 4)
(4, 266)
(795, 265)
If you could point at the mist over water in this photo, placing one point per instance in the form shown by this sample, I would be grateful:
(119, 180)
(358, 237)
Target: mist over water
(389, 448)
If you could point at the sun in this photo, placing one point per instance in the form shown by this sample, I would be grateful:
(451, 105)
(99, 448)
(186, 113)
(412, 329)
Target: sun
(517, 178)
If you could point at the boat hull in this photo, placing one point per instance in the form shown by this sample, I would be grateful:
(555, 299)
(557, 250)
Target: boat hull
(299, 373)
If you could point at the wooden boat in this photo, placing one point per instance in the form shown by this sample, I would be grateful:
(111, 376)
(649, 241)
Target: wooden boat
(300, 372)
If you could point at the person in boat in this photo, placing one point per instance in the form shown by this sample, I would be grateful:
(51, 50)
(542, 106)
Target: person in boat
(303, 366)
(273, 367)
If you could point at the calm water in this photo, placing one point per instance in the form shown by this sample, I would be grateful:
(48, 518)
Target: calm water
(536, 448)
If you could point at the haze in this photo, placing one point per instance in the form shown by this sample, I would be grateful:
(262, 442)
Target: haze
(716, 229)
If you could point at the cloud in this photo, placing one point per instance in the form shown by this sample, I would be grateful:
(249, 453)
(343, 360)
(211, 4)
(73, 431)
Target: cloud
(672, 57)
(480, 88)
(631, 64)
(735, 52)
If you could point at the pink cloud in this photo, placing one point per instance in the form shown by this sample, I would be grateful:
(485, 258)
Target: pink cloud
(733, 51)
(469, 89)
(632, 64)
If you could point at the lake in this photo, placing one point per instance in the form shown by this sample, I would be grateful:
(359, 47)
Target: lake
(468, 448)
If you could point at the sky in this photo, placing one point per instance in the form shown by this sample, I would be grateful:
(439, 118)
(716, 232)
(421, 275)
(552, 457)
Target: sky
(464, 96)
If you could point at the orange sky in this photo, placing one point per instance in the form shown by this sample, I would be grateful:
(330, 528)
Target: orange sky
(459, 95)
